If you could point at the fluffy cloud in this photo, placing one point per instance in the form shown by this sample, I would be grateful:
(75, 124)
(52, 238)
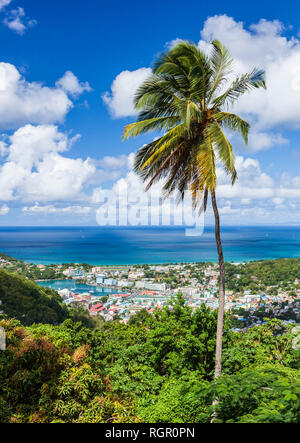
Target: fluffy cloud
(35, 170)
(4, 210)
(30, 144)
(252, 183)
(3, 149)
(4, 3)
(263, 45)
(23, 102)
(70, 83)
(57, 178)
(228, 210)
(50, 209)
(256, 194)
(110, 162)
(17, 20)
(123, 88)
(260, 141)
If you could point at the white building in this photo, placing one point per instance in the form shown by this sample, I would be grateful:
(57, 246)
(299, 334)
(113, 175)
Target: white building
(74, 273)
(110, 282)
(100, 278)
(151, 286)
(64, 293)
(188, 291)
(134, 275)
(125, 284)
(97, 270)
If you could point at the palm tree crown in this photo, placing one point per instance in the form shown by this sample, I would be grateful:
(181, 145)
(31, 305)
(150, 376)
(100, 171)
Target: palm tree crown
(186, 100)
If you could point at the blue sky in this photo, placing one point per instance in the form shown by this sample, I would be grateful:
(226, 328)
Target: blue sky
(69, 69)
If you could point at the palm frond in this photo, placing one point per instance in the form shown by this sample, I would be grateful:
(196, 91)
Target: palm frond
(153, 91)
(166, 143)
(150, 157)
(163, 170)
(205, 166)
(223, 147)
(142, 127)
(221, 62)
(233, 122)
(191, 113)
(242, 84)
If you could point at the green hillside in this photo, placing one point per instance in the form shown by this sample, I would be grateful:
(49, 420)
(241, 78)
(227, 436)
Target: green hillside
(26, 301)
(156, 369)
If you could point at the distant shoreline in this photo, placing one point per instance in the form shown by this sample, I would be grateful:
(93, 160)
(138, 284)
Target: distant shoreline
(108, 266)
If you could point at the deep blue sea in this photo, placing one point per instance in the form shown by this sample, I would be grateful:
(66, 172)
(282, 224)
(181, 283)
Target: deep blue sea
(112, 246)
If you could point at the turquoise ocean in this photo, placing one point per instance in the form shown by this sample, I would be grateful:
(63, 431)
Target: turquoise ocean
(116, 246)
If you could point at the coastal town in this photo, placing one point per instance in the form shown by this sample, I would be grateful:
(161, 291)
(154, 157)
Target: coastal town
(119, 292)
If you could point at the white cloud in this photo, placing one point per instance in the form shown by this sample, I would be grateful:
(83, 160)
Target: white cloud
(256, 196)
(172, 43)
(4, 210)
(70, 83)
(36, 171)
(29, 144)
(48, 176)
(57, 178)
(4, 3)
(110, 162)
(255, 186)
(252, 183)
(289, 193)
(263, 45)
(50, 209)
(23, 102)
(3, 149)
(123, 88)
(17, 21)
(228, 210)
(260, 141)
(278, 201)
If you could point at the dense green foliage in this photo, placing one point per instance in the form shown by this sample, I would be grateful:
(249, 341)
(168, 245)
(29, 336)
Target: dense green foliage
(280, 273)
(30, 270)
(157, 368)
(26, 301)
(35, 272)
(45, 377)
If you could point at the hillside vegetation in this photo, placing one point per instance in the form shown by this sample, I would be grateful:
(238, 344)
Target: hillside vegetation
(24, 300)
(267, 275)
(158, 368)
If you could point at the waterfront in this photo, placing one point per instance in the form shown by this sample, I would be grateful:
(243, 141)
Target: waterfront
(78, 288)
(197, 283)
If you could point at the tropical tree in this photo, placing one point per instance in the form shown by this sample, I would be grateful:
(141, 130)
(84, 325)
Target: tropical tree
(187, 101)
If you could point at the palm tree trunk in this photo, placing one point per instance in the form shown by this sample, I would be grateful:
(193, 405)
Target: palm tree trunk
(218, 367)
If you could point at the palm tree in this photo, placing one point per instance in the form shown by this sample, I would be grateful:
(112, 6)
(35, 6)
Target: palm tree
(186, 101)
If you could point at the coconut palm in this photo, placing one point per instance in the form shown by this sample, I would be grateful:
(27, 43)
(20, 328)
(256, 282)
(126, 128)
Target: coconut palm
(186, 100)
